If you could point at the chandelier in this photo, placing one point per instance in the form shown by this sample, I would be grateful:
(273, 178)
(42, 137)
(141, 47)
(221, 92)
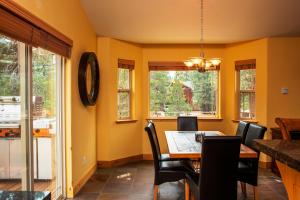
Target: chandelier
(201, 63)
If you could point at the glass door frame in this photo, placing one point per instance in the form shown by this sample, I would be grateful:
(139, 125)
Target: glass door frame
(26, 84)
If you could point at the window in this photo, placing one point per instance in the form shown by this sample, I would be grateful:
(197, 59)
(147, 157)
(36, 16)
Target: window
(31, 100)
(176, 90)
(125, 68)
(17, 89)
(246, 83)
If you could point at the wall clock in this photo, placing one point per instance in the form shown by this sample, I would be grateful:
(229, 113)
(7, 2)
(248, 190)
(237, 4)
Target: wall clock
(88, 78)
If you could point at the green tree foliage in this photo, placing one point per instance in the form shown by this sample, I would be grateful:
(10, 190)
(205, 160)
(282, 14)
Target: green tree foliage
(247, 79)
(158, 90)
(247, 86)
(123, 79)
(168, 97)
(43, 68)
(176, 99)
(205, 90)
(44, 77)
(9, 68)
(124, 93)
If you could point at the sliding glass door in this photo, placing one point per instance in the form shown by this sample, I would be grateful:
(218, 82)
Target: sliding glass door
(30, 118)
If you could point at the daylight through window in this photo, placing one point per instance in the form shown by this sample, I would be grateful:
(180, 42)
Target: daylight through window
(246, 83)
(125, 68)
(183, 92)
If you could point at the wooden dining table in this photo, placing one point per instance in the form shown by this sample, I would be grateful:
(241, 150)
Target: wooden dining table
(182, 144)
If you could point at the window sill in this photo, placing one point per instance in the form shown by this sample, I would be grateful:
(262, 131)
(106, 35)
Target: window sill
(175, 118)
(125, 121)
(245, 120)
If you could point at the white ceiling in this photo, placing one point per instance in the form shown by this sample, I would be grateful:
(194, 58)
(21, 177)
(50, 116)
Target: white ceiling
(178, 21)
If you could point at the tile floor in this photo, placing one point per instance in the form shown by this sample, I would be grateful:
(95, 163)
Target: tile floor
(135, 182)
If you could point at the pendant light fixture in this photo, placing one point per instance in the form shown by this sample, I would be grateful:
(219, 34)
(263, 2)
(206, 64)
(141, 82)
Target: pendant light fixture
(201, 63)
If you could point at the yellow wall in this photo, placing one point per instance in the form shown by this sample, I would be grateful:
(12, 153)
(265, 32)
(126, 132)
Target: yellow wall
(283, 71)
(243, 51)
(115, 141)
(69, 18)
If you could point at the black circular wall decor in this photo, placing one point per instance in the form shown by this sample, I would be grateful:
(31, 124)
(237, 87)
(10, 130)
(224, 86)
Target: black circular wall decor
(88, 61)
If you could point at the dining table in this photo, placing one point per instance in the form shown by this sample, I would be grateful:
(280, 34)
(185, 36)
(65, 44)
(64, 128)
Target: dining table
(182, 144)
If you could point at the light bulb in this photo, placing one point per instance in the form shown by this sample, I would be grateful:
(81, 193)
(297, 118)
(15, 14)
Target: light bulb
(188, 63)
(208, 64)
(196, 60)
(215, 61)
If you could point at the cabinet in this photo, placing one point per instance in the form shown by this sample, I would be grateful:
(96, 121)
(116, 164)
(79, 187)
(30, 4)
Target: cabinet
(276, 134)
(12, 155)
(4, 159)
(44, 158)
(16, 161)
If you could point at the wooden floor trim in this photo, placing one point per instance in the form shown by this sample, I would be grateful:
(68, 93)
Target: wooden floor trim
(147, 157)
(118, 162)
(265, 165)
(84, 179)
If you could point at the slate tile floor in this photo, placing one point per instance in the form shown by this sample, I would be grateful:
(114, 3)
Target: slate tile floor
(135, 182)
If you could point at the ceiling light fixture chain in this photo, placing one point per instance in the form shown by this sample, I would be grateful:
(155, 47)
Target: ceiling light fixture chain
(201, 63)
(201, 30)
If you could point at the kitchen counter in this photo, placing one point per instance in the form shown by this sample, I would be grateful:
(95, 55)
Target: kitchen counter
(20, 195)
(287, 152)
(17, 137)
(287, 156)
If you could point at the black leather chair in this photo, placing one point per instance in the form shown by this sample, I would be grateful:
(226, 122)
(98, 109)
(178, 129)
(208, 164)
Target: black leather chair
(165, 171)
(242, 130)
(248, 167)
(163, 156)
(218, 171)
(187, 123)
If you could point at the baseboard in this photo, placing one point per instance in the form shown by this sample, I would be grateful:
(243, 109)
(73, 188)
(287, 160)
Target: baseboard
(147, 157)
(77, 187)
(118, 162)
(265, 165)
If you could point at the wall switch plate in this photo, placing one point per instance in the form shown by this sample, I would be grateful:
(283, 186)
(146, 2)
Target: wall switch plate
(284, 90)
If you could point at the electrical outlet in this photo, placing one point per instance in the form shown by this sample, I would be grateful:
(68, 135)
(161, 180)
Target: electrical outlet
(284, 90)
(83, 160)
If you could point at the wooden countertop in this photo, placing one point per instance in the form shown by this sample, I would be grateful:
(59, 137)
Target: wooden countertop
(287, 152)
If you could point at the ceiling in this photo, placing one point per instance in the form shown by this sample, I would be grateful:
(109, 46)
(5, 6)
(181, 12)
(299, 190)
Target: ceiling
(178, 21)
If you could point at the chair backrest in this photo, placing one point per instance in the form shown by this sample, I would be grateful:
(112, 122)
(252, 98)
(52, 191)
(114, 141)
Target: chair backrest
(254, 132)
(187, 123)
(218, 171)
(290, 128)
(150, 129)
(242, 130)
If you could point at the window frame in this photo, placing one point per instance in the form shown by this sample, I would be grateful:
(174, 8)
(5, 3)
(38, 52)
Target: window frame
(240, 65)
(129, 65)
(180, 66)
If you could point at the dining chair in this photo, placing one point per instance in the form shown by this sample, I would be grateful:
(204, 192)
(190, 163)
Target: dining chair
(218, 171)
(165, 171)
(290, 128)
(187, 123)
(242, 130)
(163, 156)
(248, 167)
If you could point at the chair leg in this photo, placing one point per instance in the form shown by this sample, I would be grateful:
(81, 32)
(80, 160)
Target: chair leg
(155, 192)
(244, 189)
(187, 190)
(255, 193)
(192, 196)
